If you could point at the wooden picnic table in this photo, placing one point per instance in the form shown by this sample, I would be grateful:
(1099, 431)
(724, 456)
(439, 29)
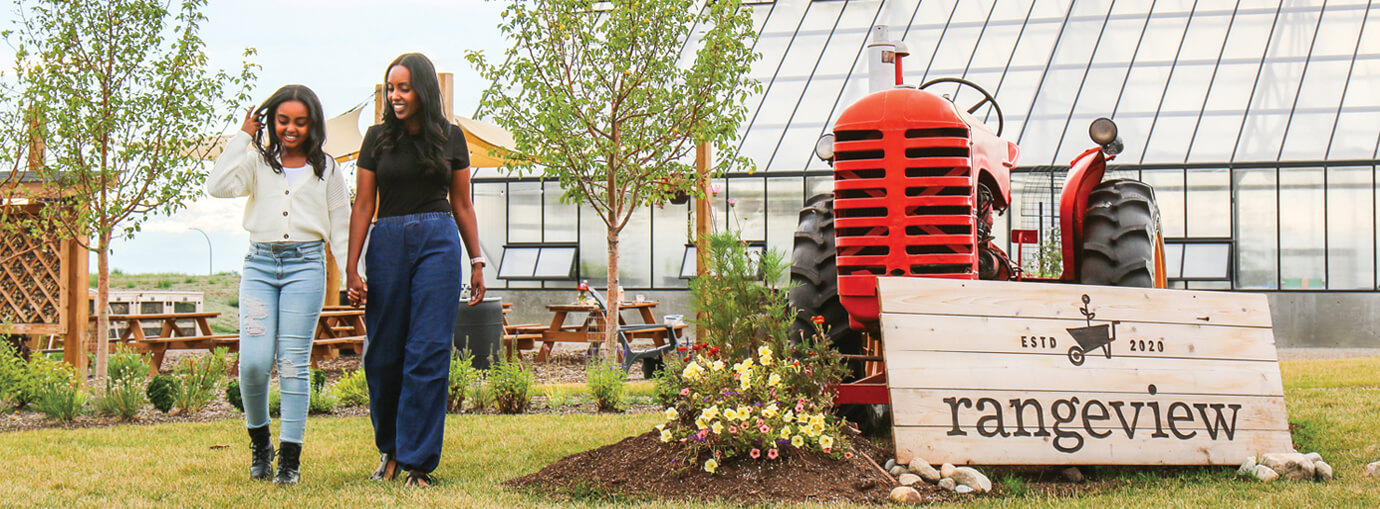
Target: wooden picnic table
(338, 329)
(170, 336)
(591, 329)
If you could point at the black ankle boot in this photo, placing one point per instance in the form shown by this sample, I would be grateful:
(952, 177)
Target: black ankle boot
(261, 454)
(289, 458)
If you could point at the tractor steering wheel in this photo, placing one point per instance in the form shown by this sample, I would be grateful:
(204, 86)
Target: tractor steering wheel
(986, 98)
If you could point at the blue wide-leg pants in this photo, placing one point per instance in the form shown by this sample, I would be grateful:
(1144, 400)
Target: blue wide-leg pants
(414, 268)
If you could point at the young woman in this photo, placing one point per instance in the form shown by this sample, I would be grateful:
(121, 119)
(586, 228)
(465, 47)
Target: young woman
(297, 205)
(410, 165)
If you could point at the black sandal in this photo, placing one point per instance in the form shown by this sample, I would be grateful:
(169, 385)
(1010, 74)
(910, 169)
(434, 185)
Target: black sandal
(419, 480)
(388, 468)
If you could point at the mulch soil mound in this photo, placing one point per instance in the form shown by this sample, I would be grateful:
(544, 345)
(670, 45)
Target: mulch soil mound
(643, 465)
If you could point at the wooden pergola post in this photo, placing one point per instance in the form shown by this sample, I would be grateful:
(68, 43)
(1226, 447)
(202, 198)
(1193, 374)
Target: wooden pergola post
(702, 226)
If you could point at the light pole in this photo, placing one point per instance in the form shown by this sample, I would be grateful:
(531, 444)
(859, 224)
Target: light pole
(209, 264)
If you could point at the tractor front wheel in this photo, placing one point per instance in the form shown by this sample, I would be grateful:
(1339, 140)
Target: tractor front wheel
(1121, 236)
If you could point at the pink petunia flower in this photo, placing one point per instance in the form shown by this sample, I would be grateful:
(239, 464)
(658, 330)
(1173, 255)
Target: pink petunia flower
(848, 455)
(799, 408)
(764, 429)
(685, 391)
(772, 454)
(733, 429)
(827, 450)
(756, 453)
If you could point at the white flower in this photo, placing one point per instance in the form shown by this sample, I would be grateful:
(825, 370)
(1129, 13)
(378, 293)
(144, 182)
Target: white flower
(666, 435)
(826, 442)
(671, 414)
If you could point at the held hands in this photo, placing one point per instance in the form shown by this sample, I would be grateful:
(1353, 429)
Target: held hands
(252, 124)
(476, 284)
(356, 290)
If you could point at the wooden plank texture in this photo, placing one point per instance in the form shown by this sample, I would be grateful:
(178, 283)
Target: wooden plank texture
(964, 297)
(1002, 373)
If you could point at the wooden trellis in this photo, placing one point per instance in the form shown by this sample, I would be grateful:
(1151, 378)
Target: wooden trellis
(43, 286)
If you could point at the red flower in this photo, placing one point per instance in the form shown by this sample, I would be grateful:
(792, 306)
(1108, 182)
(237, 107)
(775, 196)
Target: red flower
(681, 349)
(819, 320)
(713, 350)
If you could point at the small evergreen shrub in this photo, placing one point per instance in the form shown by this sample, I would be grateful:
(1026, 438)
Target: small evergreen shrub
(198, 378)
(126, 364)
(121, 398)
(275, 402)
(512, 384)
(233, 396)
(323, 402)
(607, 384)
(462, 376)
(352, 389)
(318, 380)
(160, 391)
(62, 401)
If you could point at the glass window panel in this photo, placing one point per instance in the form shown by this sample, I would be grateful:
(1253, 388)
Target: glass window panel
(926, 23)
(1075, 46)
(1038, 139)
(797, 147)
(1279, 83)
(524, 205)
(1075, 139)
(1256, 236)
(747, 207)
(1050, 10)
(1133, 131)
(1293, 33)
(1215, 137)
(1301, 217)
(1341, 25)
(1011, 12)
(670, 226)
(1206, 34)
(1206, 261)
(994, 48)
(490, 208)
(635, 250)
(1036, 43)
(1169, 140)
(818, 185)
(1356, 135)
(1055, 97)
(594, 248)
(561, 218)
(1209, 203)
(1096, 8)
(1162, 36)
(1188, 86)
(1143, 89)
(1169, 195)
(1132, 8)
(1308, 135)
(1173, 259)
(1231, 87)
(955, 50)
(1322, 85)
(1250, 33)
(784, 201)
(1350, 228)
(1362, 92)
(1260, 137)
(518, 262)
(555, 262)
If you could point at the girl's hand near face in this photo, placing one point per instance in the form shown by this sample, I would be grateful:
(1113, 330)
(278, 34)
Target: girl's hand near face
(251, 123)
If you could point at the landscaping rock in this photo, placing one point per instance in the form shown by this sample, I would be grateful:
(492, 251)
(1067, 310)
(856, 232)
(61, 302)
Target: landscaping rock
(948, 484)
(970, 477)
(891, 463)
(925, 471)
(905, 495)
(946, 470)
(1264, 473)
(1322, 471)
(1313, 457)
(1073, 474)
(896, 471)
(1247, 467)
(1289, 465)
(1373, 469)
(963, 488)
(908, 479)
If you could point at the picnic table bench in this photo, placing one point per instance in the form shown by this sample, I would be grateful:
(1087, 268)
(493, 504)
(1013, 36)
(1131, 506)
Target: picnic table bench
(338, 329)
(590, 330)
(170, 336)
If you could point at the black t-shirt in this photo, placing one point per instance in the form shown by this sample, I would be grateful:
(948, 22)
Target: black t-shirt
(403, 187)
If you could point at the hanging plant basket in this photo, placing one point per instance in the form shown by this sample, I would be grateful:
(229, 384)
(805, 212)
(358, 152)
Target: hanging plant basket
(680, 198)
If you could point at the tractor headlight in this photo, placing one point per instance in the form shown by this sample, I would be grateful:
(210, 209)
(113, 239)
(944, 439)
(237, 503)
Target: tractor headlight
(824, 147)
(1104, 133)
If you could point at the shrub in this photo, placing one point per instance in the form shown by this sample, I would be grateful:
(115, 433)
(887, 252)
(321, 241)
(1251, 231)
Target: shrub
(511, 383)
(352, 389)
(607, 384)
(36, 376)
(481, 396)
(126, 364)
(160, 391)
(462, 376)
(163, 284)
(318, 380)
(664, 386)
(233, 396)
(121, 398)
(12, 371)
(62, 401)
(198, 378)
(746, 389)
(323, 402)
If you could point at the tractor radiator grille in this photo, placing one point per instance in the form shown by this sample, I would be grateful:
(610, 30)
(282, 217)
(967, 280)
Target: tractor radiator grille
(903, 203)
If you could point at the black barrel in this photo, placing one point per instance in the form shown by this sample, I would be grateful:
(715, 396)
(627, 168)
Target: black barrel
(480, 328)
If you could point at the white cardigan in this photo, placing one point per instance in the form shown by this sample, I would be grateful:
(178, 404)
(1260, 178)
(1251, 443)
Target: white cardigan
(308, 209)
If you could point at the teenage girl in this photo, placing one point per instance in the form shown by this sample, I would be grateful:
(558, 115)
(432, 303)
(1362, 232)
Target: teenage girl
(297, 206)
(415, 168)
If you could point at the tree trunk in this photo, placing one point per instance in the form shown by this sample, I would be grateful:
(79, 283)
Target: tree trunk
(101, 334)
(614, 294)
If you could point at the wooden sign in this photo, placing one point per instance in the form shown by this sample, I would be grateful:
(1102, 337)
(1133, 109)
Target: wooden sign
(1011, 373)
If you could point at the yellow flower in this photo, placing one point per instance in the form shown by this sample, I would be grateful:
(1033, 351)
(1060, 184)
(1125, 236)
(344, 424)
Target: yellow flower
(717, 366)
(789, 417)
(711, 465)
(692, 370)
(660, 427)
(671, 414)
(769, 411)
(700, 423)
(797, 441)
(816, 429)
(711, 412)
(747, 363)
(764, 351)
(785, 432)
(745, 383)
(773, 380)
(826, 442)
(730, 414)
(766, 360)
(665, 435)
(744, 412)
(717, 428)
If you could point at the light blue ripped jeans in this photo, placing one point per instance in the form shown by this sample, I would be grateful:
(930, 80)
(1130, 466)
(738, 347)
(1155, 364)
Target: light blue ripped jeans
(281, 292)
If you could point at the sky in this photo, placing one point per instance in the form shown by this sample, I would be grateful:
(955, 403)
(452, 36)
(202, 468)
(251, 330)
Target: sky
(339, 48)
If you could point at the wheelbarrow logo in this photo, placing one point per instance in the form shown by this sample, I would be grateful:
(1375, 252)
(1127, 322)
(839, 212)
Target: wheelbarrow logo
(1091, 336)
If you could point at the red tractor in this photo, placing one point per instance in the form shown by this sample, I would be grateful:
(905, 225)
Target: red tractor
(917, 182)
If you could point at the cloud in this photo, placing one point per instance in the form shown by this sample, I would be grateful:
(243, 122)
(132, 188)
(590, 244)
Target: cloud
(214, 215)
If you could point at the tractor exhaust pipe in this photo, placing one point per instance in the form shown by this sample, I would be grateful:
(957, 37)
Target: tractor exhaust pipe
(884, 70)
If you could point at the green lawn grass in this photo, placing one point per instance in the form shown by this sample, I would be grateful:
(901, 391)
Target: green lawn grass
(1334, 405)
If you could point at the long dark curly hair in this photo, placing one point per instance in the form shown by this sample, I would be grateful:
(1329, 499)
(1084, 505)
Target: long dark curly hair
(272, 151)
(435, 127)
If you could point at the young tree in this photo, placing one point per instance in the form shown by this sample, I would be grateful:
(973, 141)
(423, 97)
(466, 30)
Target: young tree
(610, 98)
(124, 101)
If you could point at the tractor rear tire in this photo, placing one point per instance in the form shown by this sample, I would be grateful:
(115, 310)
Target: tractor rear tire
(1121, 233)
(815, 272)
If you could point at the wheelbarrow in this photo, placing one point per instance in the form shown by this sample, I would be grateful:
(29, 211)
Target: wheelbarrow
(1091, 336)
